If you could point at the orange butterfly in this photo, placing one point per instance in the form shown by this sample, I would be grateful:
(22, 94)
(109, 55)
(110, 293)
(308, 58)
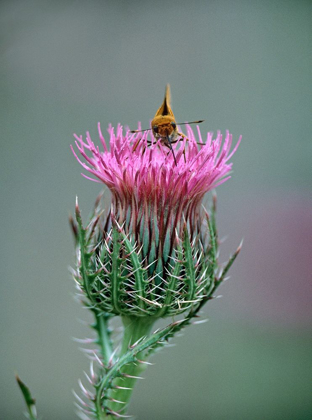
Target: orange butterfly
(164, 126)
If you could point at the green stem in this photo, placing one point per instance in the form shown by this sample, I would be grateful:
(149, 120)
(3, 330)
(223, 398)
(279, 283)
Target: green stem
(104, 340)
(135, 328)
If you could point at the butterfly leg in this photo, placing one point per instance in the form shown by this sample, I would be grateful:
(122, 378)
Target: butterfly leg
(182, 137)
(149, 142)
(136, 145)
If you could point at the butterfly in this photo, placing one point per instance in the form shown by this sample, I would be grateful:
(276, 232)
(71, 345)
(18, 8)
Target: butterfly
(164, 126)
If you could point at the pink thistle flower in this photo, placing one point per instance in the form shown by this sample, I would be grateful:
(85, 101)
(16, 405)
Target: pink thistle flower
(155, 199)
(202, 168)
(149, 177)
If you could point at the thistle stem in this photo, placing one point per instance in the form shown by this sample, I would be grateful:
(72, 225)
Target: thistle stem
(103, 331)
(135, 328)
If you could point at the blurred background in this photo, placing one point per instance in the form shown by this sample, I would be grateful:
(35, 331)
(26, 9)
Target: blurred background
(241, 65)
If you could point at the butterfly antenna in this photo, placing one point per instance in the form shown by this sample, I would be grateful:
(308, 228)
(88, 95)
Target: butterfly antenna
(191, 122)
(140, 131)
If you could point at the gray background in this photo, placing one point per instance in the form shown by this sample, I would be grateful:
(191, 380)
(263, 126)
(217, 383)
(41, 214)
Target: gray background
(241, 65)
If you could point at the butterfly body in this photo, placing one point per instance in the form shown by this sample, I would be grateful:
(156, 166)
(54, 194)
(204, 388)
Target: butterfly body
(164, 126)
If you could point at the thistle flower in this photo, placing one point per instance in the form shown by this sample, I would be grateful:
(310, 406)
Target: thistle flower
(152, 255)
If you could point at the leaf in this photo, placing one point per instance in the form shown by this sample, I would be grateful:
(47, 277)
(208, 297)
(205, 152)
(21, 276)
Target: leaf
(29, 400)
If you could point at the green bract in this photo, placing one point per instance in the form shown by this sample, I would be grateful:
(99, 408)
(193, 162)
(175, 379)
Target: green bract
(119, 277)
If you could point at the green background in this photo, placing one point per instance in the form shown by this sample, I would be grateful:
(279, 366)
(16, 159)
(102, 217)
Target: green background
(241, 65)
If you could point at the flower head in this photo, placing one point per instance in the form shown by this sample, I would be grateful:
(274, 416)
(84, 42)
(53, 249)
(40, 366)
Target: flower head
(135, 164)
(156, 208)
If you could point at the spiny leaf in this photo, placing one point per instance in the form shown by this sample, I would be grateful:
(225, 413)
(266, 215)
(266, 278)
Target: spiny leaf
(213, 243)
(115, 275)
(171, 285)
(139, 272)
(189, 265)
(150, 342)
(87, 278)
(229, 263)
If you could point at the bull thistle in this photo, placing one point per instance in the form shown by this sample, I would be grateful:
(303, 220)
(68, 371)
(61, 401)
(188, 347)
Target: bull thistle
(152, 255)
